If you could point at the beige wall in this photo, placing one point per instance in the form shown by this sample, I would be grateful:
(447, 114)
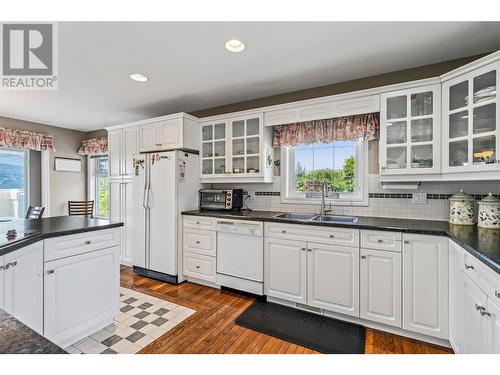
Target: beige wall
(64, 186)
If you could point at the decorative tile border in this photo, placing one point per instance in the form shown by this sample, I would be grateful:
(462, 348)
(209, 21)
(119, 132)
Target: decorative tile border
(141, 320)
(386, 195)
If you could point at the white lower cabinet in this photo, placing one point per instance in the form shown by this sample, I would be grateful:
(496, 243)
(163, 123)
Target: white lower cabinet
(23, 285)
(456, 335)
(493, 327)
(1, 282)
(333, 278)
(474, 326)
(425, 284)
(81, 295)
(285, 269)
(380, 287)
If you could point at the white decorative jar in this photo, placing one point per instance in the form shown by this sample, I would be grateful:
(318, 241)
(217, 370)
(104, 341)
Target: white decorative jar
(461, 209)
(489, 212)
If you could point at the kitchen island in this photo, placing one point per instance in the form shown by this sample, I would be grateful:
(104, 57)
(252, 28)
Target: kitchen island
(60, 276)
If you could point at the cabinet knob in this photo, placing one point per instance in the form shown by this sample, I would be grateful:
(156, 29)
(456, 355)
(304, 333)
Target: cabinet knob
(88, 242)
(497, 294)
(197, 242)
(197, 267)
(332, 236)
(468, 267)
(380, 241)
(283, 231)
(197, 223)
(363, 256)
(309, 250)
(407, 242)
(50, 272)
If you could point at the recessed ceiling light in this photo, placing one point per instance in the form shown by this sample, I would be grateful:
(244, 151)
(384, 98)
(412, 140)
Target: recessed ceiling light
(235, 45)
(138, 77)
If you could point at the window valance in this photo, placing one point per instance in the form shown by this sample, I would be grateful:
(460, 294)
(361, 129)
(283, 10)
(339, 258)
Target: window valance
(94, 146)
(25, 139)
(348, 128)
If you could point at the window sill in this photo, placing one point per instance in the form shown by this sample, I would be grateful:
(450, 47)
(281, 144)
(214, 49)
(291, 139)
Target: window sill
(317, 202)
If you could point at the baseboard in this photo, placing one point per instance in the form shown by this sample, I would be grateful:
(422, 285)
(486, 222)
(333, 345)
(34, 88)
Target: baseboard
(368, 324)
(171, 279)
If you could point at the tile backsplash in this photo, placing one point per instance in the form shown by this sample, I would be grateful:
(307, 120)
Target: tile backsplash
(381, 203)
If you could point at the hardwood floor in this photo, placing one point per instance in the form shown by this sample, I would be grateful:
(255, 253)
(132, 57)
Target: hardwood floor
(212, 330)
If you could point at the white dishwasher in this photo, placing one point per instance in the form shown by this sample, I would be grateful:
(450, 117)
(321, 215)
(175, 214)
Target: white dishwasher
(240, 255)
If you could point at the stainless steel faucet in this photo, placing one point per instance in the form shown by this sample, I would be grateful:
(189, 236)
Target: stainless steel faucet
(324, 193)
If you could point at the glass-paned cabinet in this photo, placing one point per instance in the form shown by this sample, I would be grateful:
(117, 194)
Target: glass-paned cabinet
(470, 121)
(410, 131)
(236, 149)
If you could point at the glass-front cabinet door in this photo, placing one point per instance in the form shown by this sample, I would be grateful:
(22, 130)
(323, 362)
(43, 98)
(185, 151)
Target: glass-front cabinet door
(470, 121)
(214, 149)
(410, 131)
(245, 145)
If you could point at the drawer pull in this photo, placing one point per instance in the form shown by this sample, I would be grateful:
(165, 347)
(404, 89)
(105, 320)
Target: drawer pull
(50, 272)
(198, 267)
(380, 241)
(309, 250)
(363, 256)
(88, 242)
(467, 267)
(283, 231)
(303, 249)
(497, 294)
(197, 223)
(332, 236)
(484, 312)
(197, 242)
(480, 308)
(407, 242)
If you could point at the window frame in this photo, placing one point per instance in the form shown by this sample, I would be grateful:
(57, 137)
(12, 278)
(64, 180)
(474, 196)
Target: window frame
(360, 198)
(26, 201)
(93, 188)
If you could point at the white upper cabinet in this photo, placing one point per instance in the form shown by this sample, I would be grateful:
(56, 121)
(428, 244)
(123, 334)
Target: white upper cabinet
(471, 121)
(236, 149)
(410, 129)
(179, 131)
(123, 144)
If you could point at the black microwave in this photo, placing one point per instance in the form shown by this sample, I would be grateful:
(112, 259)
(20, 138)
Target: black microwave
(221, 199)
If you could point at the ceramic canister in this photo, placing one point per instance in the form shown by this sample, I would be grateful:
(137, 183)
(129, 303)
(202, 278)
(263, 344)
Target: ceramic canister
(461, 209)
(489, 212)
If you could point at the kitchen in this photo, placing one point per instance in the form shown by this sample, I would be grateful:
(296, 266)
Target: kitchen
(358, 214)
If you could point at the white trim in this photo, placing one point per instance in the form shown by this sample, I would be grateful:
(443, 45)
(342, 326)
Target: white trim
(152, 120)
(45, 180)
(330, 98)
(362, 177)
(476, 64)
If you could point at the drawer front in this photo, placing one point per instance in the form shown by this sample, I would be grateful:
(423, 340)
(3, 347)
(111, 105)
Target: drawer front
(200, 222)
(381, 240)
(200, 241)
(74, 244)
(200, 267)
(471, 267)
(485, 278)
(328, 235)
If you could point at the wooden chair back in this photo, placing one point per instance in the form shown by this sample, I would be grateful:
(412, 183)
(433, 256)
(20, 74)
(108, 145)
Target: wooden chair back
(81, 208)
(34, 212)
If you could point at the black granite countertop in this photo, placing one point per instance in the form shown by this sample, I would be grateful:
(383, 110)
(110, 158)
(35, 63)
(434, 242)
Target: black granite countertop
(49, 227)
(16, 338)
(483, 243)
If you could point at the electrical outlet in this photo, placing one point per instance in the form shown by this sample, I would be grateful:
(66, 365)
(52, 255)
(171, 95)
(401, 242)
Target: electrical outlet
(249, 193)
(419, 198)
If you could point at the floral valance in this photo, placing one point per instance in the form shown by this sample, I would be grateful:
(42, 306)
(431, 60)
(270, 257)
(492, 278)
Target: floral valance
(94, 146)
(25, 139)
(347, 128)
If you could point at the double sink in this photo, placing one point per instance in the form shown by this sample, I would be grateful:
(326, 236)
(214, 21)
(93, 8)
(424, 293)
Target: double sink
(312, 217)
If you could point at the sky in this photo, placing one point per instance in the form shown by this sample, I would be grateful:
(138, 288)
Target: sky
(11, 157)
(323, 155)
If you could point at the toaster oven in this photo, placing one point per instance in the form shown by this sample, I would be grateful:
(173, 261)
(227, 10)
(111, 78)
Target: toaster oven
(221, 199)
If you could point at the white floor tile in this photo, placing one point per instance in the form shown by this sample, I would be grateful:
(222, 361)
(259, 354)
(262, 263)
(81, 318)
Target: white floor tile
(73, 350)
(87, 345)
(102, 335)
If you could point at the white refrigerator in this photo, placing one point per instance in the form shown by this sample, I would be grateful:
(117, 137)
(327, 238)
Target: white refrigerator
(164, 185)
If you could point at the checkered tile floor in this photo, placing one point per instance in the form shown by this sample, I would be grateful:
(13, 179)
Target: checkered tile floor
(141, 320)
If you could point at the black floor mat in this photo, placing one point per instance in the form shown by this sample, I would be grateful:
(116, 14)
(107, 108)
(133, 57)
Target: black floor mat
(317, 332)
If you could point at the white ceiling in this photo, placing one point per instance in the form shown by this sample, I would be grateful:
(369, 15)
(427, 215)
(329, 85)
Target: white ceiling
(189, 68)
